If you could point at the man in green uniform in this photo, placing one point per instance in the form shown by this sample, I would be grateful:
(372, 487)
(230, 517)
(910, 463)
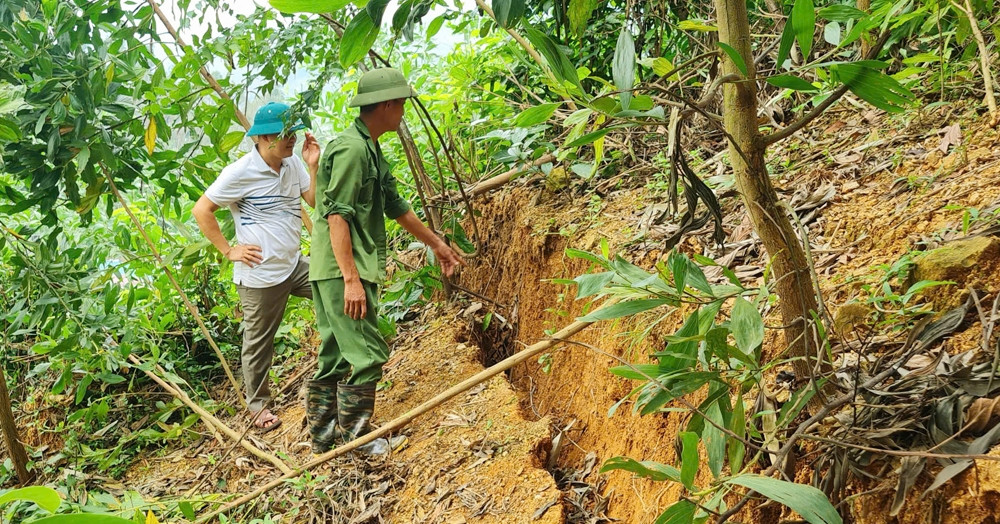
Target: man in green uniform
(355, 192)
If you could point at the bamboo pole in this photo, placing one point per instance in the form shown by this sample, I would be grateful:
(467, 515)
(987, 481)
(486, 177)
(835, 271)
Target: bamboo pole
(210, 419)
(984, 58)
(214, 84)
(401, 421)
(485, 186)
(14, 447)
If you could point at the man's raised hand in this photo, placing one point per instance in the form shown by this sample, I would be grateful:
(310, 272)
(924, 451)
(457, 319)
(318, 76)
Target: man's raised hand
(310, 151)
(247, 253)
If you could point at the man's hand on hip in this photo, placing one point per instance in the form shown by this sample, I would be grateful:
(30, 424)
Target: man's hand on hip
(247, 253)
(355, 303)
(448, 258)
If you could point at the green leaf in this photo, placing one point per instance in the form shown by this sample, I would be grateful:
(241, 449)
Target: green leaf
(636, 371)
(435, 26)
(807, 501)
(747, 326)
(508, 12)
(535, 115)
(44, 497)
(187, 510)
(645, 469)
(831, 33)
(591, 284)
(696, 25)
(678, 266)
(557, 61)
(841, 13)
(791, 82)
(715, 439)
(660, 66)
(735, 57)
(9, 131)
(579, 13)
(689, 459)
(589, 138)
(803, 22)
(738, 425)
(82, 518)
(924, 284)
(785, 47)
(873, 86)
(358, 38)
(624, 309)
(623, 66)
(577, 253)
(110, 378)
(680, 512)
(230, 140)
(376, 8)
(309, 6)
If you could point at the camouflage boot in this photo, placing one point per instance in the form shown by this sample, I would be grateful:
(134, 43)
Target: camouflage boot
(321, 411)
(355, 406)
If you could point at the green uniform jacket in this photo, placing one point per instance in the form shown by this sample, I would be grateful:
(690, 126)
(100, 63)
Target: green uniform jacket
(354, 181)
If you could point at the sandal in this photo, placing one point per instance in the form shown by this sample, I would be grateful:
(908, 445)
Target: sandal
(264, 421)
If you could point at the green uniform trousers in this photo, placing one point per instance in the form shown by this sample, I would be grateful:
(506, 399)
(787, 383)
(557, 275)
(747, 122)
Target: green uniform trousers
(347, 343)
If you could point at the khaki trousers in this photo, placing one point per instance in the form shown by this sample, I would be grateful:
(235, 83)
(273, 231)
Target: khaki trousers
(263, 309)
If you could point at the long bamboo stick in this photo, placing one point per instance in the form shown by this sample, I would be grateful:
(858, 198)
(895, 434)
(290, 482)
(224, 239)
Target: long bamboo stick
(401, 421)
(485, 186)
(210, 419)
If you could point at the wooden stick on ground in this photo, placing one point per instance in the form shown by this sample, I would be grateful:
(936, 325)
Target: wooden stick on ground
(485, 186)
(210, 419)
(401, 421)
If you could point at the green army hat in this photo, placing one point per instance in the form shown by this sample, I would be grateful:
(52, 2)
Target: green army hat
(379, 85)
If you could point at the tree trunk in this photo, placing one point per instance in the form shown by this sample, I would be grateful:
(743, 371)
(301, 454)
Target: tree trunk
(791, 271)
(865, 5)
(14, 446)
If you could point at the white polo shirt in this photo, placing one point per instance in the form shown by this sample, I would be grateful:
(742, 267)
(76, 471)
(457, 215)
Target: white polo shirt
(265, 206)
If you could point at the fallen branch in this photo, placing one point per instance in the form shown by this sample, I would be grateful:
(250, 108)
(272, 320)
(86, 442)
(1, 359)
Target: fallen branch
(485, 186)
(409, 416)
(210, 419)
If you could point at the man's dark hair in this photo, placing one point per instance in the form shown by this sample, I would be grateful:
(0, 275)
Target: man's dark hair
(369, 108)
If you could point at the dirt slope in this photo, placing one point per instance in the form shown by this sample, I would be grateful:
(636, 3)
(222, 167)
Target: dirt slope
(879, 189)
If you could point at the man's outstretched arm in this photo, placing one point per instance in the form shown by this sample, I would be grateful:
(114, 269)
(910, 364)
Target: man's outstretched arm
(447, 257)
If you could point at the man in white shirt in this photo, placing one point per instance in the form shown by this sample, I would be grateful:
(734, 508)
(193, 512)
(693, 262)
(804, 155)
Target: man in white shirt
(262, 191)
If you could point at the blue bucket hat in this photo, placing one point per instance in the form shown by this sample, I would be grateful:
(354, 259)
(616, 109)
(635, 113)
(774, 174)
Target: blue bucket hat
(271, 120)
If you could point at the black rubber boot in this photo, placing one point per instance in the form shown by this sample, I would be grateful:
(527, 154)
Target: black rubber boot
(321, 411)
(355, 405)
